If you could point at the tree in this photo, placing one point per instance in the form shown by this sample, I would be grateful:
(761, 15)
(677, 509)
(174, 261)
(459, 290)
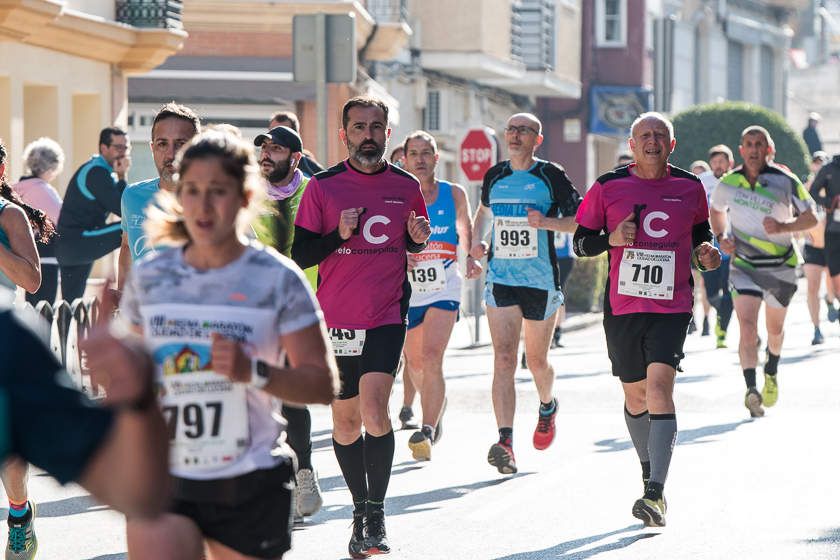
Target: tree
(699, 128)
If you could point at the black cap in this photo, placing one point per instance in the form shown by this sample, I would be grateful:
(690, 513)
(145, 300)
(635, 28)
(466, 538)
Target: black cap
(282, 135)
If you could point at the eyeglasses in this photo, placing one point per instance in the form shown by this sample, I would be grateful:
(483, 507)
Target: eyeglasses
(521, 130)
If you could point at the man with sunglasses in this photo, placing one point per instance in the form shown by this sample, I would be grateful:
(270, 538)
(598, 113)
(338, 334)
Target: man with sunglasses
(524, 200)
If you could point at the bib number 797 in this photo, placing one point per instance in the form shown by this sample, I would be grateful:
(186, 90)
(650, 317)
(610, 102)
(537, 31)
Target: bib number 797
(194, 420)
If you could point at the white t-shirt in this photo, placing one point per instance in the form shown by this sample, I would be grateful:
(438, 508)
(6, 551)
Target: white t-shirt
(218, 429)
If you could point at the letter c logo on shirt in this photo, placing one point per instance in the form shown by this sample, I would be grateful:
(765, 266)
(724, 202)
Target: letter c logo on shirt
(655, 233)
(368, 235)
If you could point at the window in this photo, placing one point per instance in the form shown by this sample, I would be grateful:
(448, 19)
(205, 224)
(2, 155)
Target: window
(432, 112)
(734, 71)
(768, 77)
(532, 34)
(611, 23)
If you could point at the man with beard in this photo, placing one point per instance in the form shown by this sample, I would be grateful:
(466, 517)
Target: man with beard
(280, 154)
(306, 164)
(173, 126)
(716, 282)
(764, 204)
(357, 220)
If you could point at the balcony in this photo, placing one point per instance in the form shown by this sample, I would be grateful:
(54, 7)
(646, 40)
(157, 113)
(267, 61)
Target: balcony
(158, 14)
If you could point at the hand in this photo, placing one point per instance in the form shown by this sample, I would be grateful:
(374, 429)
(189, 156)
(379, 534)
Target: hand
(727, 245)
(535, 218)
(349, 221)
(119, 363)
(121, 166)
(479, 250)
(412, 261)
(473, 268)
(771, 225)
(625, 233)
(708, 256)
(228, 359)
(419, 228)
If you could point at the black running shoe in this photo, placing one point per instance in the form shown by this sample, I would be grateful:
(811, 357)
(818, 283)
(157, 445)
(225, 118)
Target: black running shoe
(376, 541)
(357, 548)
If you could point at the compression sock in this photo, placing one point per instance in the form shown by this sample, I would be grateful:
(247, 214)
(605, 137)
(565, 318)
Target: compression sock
(663, 436)
(351, 460)
(379, 456)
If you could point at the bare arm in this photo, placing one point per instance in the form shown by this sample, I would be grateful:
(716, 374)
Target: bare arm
(464, 227)
(124, 262)
(20, 263)
(483, 215)
(718, 221)
(804, 221)
(565, 224)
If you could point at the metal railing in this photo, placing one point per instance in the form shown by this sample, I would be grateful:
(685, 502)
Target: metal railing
(387, 11)
(160, 14)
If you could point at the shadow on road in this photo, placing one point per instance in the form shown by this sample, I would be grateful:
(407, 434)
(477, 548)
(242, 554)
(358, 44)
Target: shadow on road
(692, 378)
(829, 537)
(399, 505)
(566, 550)
(684, 437)
(65, 507)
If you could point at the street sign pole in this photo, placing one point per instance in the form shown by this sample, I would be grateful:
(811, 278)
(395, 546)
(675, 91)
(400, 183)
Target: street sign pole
(321, 83)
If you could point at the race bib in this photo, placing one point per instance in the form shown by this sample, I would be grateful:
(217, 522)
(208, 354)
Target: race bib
(207, 417)
(347, 342)
(513, 238)
(647, 274)
(836, 215)
(206, 413)
(428, 277)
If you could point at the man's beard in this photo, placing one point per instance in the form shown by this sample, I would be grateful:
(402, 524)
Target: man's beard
(278, 172)
(370, 158)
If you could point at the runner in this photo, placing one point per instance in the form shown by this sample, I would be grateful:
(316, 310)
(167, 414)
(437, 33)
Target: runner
(765, 204)
(173, 126)
(435, 286)
(565, 264)
(19, 267)
(814, 256)
(93, 194)
(826, 191)
(716, 281)
(218, 312)
(527, 199)
(653, 219)
(356, 220)
(280, 152)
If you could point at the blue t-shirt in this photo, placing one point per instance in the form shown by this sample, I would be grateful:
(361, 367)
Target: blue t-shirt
(135, 199)
(521, 255)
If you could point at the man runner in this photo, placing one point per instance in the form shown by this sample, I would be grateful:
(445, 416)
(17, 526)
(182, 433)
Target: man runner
(527, 199)
(435, 286)
(356, 220)
(653, 219)
(765, 204)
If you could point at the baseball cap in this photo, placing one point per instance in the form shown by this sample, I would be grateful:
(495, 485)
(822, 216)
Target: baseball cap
(814, 116)
(283, 136)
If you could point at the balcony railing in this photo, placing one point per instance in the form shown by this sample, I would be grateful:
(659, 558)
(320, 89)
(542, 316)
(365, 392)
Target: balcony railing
(160, 14)
(387, 11)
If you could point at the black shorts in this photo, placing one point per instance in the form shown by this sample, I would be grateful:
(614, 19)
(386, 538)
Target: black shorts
(832, 253)
(252, 513)
(381, 353)
(534, 303)
(814, 255)
(636, 340)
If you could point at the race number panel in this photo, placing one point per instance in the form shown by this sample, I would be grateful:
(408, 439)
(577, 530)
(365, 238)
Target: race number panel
(207, 417)
(347, 342)
(206, 413)
(428, 277)
(513, 238)
(647, 274)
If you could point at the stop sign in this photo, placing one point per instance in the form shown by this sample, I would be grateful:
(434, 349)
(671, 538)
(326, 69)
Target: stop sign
(477, 153)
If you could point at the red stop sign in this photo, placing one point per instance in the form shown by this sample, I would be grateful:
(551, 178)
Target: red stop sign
(477, 153)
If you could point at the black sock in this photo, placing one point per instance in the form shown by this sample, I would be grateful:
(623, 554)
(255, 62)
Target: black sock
(379, 457)
(654, 490)
(548, 408)
(506, 436)
(749, 377)
(351, 459)
(645, 471)
(772, 365)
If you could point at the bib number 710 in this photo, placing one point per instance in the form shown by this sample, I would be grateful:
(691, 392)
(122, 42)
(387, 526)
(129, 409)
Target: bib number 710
(194, 420)
(650, 274)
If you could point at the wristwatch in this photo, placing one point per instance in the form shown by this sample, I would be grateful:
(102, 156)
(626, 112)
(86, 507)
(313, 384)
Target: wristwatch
(260, 373)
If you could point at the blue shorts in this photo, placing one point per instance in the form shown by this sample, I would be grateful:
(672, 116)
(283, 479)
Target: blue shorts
(535, 304)
(417, 314)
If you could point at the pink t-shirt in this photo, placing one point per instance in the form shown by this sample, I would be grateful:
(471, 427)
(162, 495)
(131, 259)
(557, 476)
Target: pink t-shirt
(39, 194)
(363, 283)
(653, 275)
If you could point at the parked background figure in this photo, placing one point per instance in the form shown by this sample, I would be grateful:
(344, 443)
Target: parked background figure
(43, 160)
(810, 134)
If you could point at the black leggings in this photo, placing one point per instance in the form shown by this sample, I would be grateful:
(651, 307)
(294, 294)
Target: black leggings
(299, 434)
(49, 275)
(76, 255)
